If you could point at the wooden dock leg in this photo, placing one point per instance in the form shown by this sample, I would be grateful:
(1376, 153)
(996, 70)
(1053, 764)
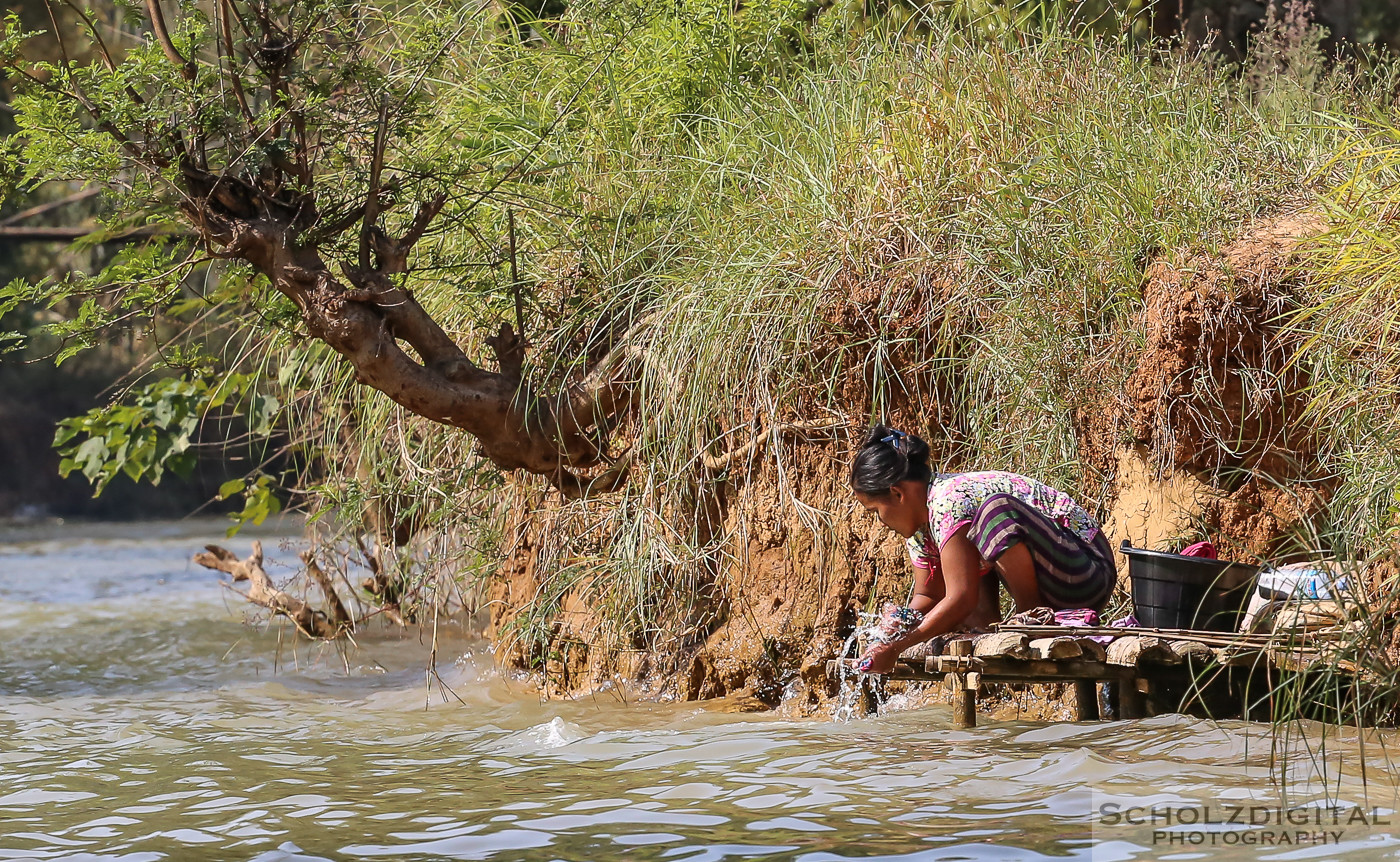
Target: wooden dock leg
(964, 688)
(1132, 701)
(868, 696)
(1086, 700)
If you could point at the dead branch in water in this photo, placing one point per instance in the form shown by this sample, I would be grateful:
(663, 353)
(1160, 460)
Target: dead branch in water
(388, 590)
(340, 617)
(261, 590)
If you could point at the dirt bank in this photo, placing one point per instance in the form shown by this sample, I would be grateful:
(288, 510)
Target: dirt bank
(1199, 436)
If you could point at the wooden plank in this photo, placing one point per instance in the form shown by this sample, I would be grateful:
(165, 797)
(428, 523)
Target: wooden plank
(1207, 637)
(1136, 651)
(1002, 669)
(1305, 660)
(1093, 650)
(1055, 671)
(995, 669)
(1056, 648)
(1002, 644)
(1193, 651)
(1241, 657)
(918, 652)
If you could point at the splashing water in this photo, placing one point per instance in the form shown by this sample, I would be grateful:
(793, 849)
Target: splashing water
(892, 622)
(846, 704)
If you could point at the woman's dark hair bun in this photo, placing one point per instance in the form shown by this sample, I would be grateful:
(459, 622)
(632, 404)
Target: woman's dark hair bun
(889, 456)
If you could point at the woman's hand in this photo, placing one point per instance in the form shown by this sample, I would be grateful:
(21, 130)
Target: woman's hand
(881, 659)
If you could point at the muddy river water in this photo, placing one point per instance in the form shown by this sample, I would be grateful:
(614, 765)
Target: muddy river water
(142, 719)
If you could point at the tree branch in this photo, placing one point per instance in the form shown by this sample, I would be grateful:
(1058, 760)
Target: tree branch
(406, 319)
(261, 590)
(515, 283)
(609, 481)
(376, 166)
(102, 51)
(26, 214)
(340, 617)
(509, 349)
(387, 591)
(427, 211)
(235, 78)
(392, 254)
(604, 392)
(162, 34)
(252, 214)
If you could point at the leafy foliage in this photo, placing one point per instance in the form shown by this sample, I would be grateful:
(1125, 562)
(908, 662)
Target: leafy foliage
(153, 431)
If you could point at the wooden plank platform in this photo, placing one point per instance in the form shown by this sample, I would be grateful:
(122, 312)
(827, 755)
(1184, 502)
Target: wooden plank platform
(1144, 668)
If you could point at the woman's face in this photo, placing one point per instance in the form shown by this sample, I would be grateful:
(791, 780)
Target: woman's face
(902, 509)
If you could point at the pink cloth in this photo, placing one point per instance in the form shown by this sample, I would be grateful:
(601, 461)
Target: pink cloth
(1201, 549)
(1077, 617)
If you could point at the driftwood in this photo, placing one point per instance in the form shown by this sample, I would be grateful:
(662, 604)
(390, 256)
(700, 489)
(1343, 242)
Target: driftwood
(388, 591)
(261, 590)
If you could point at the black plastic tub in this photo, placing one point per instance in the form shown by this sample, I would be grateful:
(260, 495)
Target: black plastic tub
(1171, 591)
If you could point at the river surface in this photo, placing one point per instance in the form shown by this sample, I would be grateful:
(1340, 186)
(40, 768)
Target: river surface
(142, 718)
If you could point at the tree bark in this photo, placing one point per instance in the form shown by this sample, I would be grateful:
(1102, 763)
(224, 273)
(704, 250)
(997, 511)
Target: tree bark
(365, 324)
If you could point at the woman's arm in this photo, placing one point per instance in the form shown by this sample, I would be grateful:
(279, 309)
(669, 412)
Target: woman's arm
(962, 573)
(928, 589)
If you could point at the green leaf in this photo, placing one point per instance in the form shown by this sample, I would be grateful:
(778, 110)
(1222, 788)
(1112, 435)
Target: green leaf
(93, 456)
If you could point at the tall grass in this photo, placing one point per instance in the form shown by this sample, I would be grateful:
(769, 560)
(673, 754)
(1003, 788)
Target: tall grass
(958, 225)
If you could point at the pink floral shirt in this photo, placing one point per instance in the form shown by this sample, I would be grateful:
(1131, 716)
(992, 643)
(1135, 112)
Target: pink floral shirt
(953, 499)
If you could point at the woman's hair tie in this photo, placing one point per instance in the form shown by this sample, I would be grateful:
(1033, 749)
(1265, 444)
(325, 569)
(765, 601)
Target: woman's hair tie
(895, 438)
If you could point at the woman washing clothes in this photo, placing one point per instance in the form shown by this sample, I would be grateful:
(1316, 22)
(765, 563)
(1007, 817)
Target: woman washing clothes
(966, 531)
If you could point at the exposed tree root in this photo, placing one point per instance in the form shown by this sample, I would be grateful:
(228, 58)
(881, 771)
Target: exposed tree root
(725, 460)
